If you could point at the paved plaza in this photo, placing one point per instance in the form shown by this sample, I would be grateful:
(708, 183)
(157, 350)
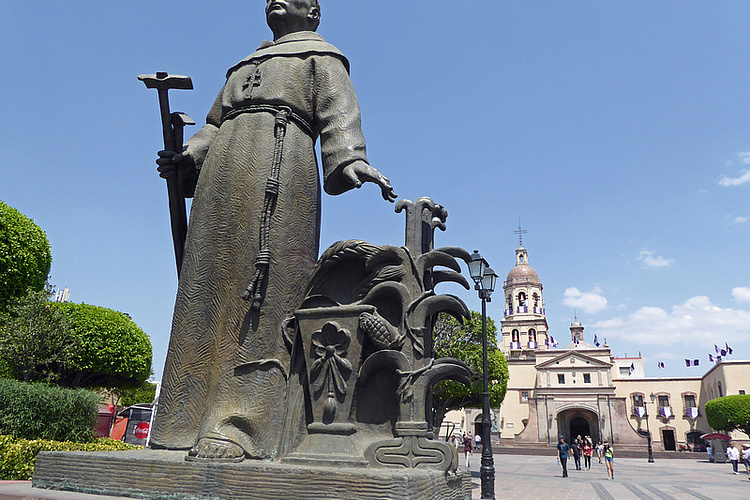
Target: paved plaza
(540, 477)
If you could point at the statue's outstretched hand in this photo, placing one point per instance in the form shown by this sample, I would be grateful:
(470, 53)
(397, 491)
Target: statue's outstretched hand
(359, 172)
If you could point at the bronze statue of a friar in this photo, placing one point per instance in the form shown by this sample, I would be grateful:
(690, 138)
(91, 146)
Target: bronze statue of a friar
(253, 236)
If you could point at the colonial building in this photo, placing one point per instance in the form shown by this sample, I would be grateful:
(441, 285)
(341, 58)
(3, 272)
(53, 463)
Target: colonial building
(582, 389)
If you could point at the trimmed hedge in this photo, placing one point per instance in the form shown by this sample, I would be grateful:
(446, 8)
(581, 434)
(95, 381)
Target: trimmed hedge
(18, 456)
(111, 350)
(38, 411)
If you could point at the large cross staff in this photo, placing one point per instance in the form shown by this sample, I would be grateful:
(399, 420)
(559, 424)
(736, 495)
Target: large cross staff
(172, 129)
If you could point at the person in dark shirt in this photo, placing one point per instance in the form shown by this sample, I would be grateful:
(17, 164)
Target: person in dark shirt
(562, 450)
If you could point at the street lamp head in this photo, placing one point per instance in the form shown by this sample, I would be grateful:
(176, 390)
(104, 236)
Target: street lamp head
(653, 397)
(488, 281)
(477, 266)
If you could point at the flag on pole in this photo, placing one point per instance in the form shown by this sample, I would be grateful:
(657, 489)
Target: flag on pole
(723, 353)
(718, 359)
(716, 348)
(632, 369)
(596, 341)
(687, 363)
(710, 358)
(660, 364)
(729, 349)
(696, 362)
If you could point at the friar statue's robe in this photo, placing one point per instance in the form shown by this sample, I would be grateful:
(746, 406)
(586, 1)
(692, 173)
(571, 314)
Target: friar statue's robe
(227, 365)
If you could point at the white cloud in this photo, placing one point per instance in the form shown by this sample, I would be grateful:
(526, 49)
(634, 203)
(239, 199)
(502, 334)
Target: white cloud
(696, 321)
(741, 220)
(649, 259)
(744, 175)
(735, 181)
(741, 293)
(590, 302)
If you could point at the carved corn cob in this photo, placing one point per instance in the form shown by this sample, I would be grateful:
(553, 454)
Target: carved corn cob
(382, 334)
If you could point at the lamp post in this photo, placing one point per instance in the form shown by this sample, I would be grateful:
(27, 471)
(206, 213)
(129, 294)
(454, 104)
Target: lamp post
(485, 278)
(648, 429)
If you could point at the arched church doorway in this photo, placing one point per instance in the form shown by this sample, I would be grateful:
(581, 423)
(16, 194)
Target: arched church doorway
(575, 422)
(579, 426)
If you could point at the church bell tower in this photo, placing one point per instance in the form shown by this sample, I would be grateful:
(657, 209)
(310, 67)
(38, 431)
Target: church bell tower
(524, 324)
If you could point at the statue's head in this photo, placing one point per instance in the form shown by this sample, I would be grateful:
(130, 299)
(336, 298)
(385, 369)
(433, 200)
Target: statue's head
(289, 16)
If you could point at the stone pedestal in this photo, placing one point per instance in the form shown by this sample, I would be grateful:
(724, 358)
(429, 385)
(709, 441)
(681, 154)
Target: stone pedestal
(162, 474)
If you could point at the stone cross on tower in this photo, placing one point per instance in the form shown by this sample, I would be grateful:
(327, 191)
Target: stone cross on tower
(520, 232)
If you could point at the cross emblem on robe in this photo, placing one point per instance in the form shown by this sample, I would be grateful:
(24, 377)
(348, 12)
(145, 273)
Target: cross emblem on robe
(252, 81)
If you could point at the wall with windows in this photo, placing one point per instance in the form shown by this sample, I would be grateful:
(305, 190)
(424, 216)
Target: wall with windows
(673, 416)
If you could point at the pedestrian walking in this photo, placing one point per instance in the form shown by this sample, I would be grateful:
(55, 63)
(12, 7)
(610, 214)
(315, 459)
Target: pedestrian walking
(587, 452)
(467, 449)
(477, 442)
(733, 454)
(575, 447)
(609, 460)
(600, 451)
(746, 457)
(562, 453)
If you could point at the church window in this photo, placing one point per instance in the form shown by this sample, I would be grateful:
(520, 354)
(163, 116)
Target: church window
(586, 378)
(689, 401)
(532, 335)
(663, 400)
(638, 400)
(522, 298)
(624, 371)
(524, 396)
(721, 392)
(742, 391)
(536, 300)
(514, 336)
(560, 378)
(510, 302)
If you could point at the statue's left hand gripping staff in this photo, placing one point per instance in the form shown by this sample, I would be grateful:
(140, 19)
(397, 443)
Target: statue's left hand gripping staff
(172, 128)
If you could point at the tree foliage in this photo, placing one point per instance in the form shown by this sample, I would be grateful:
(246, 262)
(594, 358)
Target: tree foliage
(73, 345)
(464, 342)
(25, 256)
(142, 394)
(729, 413)
(35, 341)
(111, 350)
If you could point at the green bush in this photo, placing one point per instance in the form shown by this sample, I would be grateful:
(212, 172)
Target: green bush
(38, 411)
(25, 256)
(110, 349)
(18, 456)
(729, 413)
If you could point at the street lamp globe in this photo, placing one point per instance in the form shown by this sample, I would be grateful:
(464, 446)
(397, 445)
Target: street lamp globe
(488, 281)
(477, 266)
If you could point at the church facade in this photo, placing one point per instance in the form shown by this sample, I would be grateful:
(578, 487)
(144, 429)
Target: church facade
(582, 389)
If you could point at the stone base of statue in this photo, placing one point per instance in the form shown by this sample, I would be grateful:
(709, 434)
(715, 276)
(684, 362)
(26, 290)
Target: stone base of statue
(162, 474)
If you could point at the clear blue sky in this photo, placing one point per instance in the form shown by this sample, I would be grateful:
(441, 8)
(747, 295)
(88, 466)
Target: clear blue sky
(618, 132)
